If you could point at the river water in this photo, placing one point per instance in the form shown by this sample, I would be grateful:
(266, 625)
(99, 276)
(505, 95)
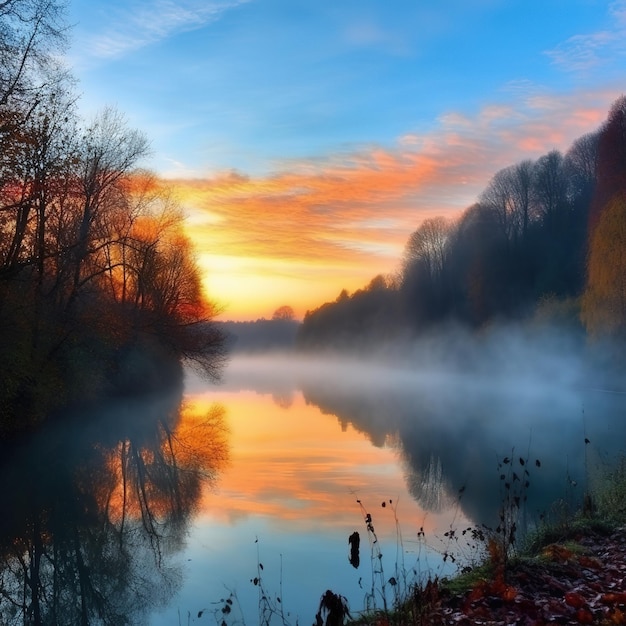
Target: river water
(235, 501)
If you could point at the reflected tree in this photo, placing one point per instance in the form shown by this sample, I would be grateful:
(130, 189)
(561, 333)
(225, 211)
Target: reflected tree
(449, 433)
(98, 515)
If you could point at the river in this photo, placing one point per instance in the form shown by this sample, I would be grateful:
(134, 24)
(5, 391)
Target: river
(236, 501)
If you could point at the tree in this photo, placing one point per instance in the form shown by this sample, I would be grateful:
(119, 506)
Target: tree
(604, 300)
(509, 195)
(611, 164)
(549, 188)
(284, 313)
(108, 154)
(34, 167)
(427, 246)
(478, 285)
(581, 164)
(94, 263)
(32, 33)
(423, 285)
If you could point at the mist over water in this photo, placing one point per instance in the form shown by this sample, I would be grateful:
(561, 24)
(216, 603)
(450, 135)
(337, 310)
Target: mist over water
(455, 405)
(426, 423)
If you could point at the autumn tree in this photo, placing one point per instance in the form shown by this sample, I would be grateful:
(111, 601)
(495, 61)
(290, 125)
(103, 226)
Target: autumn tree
(604, 300)
(108, 154)
(611, 168)
(94, 262)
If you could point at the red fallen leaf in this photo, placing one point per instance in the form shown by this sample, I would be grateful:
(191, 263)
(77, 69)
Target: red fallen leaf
(556, 552)
(584, 616)
(509, 594)
(574, 599)
(590, 562)
(613, 598)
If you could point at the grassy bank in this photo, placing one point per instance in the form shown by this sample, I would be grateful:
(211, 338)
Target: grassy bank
(569, 569)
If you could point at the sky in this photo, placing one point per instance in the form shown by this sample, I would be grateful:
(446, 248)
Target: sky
(306, 139)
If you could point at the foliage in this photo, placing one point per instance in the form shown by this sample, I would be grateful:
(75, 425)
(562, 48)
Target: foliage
(523, 244)
(604, 302)
(98, 282)
(610, 169)
(351, 319)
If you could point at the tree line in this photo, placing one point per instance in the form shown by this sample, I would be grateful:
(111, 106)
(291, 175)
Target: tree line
(546, 238)
(98, 283)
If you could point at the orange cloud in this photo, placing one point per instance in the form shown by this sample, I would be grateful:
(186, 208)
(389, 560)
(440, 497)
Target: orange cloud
(301, 234)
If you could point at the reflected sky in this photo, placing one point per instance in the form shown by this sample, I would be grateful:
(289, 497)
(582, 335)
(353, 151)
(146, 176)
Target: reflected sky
(182, 497)
(309, 437)
(293, 481)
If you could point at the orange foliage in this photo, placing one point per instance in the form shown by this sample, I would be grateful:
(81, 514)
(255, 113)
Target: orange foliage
(604, 301)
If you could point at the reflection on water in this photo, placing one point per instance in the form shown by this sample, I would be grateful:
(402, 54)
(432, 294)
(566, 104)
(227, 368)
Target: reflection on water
(452, 438)
(122, 521)
(310, 437)
(94, 512)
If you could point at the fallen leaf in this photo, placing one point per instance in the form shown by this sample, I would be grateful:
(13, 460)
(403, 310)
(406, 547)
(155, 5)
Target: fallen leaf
(574, 599)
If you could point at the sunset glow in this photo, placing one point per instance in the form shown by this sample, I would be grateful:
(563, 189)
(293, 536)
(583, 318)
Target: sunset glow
(305, 146)
(302, 235)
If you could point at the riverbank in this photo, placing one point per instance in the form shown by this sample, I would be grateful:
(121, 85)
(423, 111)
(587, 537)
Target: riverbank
(570, 572)
(580, 580)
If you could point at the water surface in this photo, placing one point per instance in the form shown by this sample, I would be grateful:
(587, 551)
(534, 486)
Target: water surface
(158, 510)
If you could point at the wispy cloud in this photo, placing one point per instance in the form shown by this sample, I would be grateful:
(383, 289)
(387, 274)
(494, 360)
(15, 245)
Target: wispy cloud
(367, 33)
(319, 225)
(584, 52)
(140, 23)
(359, 207)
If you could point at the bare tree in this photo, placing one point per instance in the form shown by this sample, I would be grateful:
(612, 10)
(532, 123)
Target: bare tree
(581, 162)
(423, 285)
(427, 246)
(108, 154)
(32, 33)
(509, 195)
(549, 189)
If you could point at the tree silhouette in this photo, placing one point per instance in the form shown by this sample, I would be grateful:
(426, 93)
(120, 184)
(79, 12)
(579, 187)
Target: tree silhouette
(611, 169)
(284, 313)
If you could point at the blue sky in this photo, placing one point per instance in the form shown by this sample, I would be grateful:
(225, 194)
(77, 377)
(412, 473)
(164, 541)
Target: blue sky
(269, 90)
